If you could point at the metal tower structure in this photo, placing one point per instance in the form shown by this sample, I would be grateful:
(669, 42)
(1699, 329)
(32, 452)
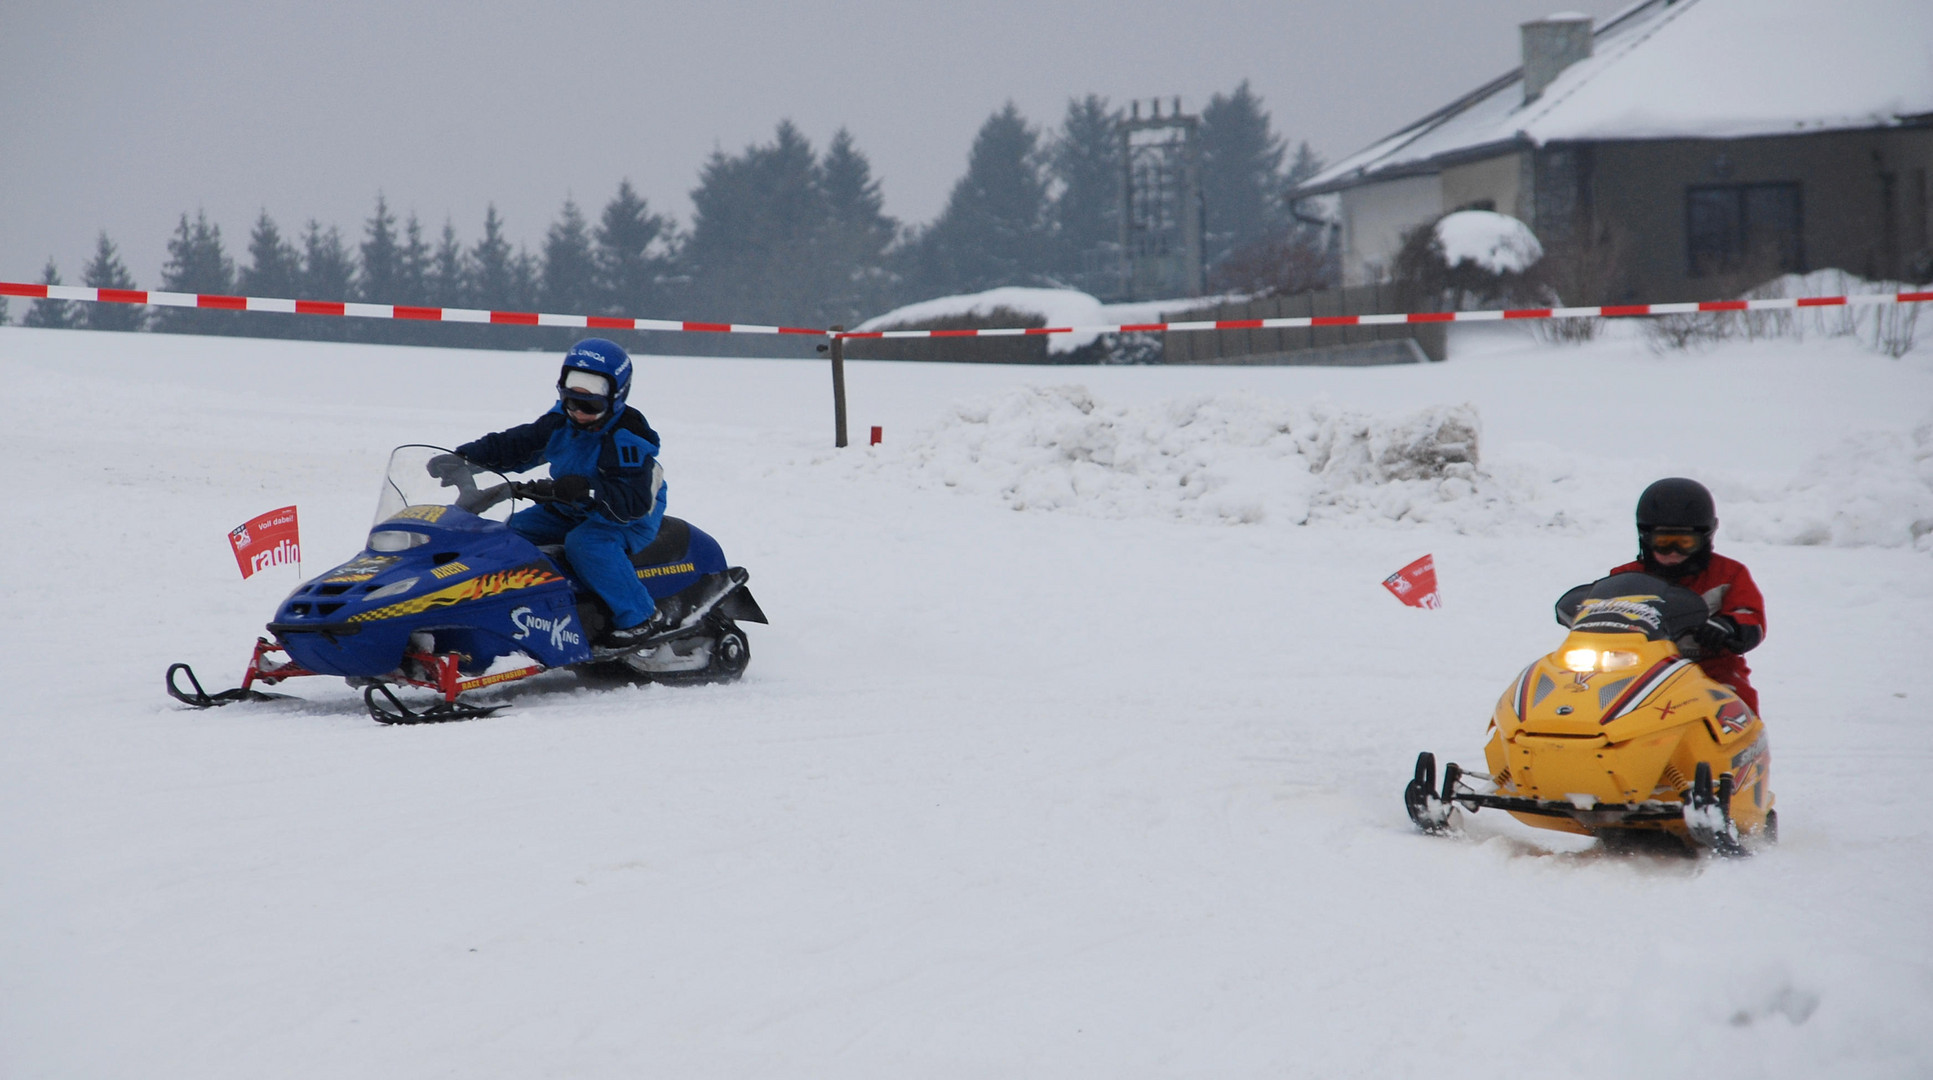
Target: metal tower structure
(1161, 227)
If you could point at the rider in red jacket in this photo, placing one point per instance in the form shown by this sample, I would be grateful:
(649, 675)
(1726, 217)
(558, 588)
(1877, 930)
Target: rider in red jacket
(1676, 519)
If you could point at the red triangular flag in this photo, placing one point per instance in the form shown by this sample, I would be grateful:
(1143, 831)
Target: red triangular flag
(273, 539)
(1415, 584)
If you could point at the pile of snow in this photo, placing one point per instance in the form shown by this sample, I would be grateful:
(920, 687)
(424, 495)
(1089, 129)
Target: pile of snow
(1496, 242)
(1874, 490)
(1233, 458)
(1054, 307)
(1058, 307)
(1851, 320)
(1827, 283)
(1889, 329)
(1239, 458)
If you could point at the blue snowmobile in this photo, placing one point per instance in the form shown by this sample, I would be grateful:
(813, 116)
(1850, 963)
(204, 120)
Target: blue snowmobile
(446, 597)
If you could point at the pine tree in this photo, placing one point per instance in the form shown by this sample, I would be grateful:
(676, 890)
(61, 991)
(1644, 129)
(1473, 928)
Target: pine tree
(1085, 161)
(50, 314)
(446, 284)
(1307, 163)
(274, 269)
(197, 263)
(569, 278)
(328, 273)
(412, 286)
(990, 232)
(381, 258)
(526, 281)
(413, 264)
(106, 271)
(629, 255)
(446, 281)
(501, 280)
(1241, 184)
(1310, 236)
(526, 294)
(853, 254)
(492, 267)
(275, 266)
(381, 277)
(757, 225)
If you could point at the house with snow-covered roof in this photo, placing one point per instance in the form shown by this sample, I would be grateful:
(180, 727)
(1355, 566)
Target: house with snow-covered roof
(1688, 148)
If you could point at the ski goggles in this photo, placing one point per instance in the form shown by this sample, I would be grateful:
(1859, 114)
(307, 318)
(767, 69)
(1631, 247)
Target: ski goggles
(1682, 542)
(584, 404)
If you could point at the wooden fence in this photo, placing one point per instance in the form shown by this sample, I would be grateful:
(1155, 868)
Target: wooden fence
(1333, 345)
(1342, 345)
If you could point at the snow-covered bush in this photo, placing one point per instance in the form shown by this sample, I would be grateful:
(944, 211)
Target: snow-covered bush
(1889, 329)
(1136, 348)
(1469, 259)
(1006, 308)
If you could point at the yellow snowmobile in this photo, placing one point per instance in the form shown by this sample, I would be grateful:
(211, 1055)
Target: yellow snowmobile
(1618, 734)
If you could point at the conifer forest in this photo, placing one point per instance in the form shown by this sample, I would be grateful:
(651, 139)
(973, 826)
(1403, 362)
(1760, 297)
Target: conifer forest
(782, 232)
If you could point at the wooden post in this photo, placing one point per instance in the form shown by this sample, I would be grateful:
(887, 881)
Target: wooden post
(838, 386)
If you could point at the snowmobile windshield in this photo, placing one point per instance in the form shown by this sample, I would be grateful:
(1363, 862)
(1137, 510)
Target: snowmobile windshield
(433, 476)
(1633, 603)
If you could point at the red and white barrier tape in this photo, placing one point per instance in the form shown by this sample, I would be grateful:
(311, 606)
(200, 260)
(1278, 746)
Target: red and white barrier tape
(381, 311)
(1302, 321)
(86, 294)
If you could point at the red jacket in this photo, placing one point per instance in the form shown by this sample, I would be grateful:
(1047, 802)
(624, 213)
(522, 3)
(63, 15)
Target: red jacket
(1738, 599)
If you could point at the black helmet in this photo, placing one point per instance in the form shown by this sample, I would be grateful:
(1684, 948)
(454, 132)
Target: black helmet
(1676, 503)
(1682, 510)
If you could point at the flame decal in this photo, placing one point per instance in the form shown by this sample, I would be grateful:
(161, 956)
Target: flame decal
(476, 588)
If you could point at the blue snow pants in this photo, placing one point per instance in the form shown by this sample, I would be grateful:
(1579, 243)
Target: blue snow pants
(599, 551)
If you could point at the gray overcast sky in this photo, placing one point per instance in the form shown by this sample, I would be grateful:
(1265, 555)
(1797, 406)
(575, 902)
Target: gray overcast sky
(123, 115)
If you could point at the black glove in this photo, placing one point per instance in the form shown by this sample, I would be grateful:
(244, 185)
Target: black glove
(571, 489)
(446, 467)
(1717, 634)
(535, 489)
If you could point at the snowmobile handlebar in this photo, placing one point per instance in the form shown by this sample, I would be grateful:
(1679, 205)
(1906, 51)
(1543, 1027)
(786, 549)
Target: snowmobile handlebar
(536, 491)
(476, 500)
(454, 471)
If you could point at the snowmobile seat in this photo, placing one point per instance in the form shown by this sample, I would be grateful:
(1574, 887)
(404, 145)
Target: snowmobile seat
(674, 537)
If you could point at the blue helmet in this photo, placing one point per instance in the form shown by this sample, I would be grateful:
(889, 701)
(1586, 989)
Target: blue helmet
(601, 357)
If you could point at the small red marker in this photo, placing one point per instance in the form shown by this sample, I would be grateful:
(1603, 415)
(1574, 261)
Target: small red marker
(878, 434)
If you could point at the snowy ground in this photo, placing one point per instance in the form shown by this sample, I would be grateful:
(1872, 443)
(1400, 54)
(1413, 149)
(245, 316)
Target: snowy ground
(1074, 748)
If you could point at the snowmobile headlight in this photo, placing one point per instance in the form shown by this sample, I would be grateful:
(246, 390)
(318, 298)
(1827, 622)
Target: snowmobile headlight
(395, 540)
(394, 588)
(1592, 660)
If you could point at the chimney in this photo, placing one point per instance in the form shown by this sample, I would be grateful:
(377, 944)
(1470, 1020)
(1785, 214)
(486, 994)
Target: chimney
(1552, 44)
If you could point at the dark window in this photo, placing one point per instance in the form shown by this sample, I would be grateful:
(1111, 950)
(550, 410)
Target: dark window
(1733, 228)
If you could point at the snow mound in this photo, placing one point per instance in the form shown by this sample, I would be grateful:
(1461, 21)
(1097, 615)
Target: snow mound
(1054, 307)
(1874, 490)
(1496, 242)
(1059, 307)
(1227, 458)
(1241, 459)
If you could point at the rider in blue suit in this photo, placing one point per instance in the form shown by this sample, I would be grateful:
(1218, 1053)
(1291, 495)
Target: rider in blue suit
(604, 469)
